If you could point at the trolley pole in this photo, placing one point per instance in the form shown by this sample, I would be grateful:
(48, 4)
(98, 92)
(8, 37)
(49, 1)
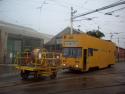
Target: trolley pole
(111, 35)
(98, 28)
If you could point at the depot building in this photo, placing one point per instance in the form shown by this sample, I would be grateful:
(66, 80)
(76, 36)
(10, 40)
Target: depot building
(14, 38)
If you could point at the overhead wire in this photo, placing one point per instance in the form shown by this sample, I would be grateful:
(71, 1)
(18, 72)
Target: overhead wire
(100, 9)
(115, 10)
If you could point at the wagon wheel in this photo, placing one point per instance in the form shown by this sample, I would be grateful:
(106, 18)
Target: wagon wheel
(36, 75)
(24, 75)
(53, 75)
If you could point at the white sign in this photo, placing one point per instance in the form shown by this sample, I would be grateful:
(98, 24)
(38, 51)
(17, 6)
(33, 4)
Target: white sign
(71, 43)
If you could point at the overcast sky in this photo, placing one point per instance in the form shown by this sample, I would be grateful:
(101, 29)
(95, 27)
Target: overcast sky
(55, 15)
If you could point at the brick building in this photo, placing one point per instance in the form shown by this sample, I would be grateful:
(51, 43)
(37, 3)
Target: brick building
(121, 55)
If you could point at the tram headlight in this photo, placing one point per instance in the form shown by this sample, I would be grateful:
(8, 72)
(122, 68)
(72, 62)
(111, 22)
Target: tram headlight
(76, 66)
(64, 64)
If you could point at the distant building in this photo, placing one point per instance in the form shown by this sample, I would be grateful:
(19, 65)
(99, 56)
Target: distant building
(121, 55)
(55, 44)
(14, 38)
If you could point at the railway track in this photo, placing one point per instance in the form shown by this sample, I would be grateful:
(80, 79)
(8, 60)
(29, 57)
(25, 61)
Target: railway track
(19, 83)
(89, 88)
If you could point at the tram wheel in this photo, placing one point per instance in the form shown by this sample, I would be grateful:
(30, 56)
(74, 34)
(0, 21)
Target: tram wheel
(24, 75)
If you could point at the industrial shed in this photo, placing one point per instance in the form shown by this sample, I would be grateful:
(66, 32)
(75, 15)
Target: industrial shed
(14, 38)
(55, 44)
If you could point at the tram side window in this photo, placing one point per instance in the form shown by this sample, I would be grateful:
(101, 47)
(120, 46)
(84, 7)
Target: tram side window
(72, 52)
(65, 52)
(90, 51)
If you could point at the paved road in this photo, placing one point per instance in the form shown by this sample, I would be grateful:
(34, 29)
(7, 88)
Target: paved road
(106, 81)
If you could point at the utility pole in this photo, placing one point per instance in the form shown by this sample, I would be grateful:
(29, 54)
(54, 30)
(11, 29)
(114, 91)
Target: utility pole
(112, 34)
(71, 21)
(40, 8)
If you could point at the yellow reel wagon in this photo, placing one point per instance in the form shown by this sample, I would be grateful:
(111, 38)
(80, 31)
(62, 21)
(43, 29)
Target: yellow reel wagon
(39, 62)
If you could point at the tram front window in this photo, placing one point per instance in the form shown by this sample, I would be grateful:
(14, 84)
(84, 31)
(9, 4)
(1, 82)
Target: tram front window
(72, 52)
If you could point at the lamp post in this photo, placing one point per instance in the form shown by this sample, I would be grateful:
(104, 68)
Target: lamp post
(118, 49)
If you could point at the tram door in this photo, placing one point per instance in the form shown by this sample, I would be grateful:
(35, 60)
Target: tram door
(84, 58)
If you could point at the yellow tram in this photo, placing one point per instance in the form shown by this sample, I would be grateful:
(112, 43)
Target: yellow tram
(82, 52)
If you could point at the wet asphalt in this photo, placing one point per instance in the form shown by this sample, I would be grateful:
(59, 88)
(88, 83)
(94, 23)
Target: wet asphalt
(105, 81)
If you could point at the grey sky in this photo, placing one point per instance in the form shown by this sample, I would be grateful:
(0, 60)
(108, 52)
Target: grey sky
(56, 13)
